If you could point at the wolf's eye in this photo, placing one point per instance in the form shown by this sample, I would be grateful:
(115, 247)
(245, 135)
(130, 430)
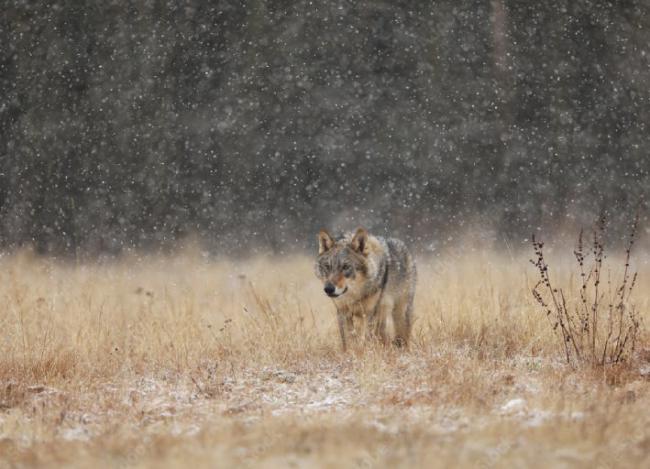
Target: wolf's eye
(323, 268)
(347, 270)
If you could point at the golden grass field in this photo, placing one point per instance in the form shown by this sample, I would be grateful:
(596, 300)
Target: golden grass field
(191, 361)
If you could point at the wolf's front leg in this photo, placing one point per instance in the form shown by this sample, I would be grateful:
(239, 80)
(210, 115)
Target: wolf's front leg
(376, 325)
(346, 327)
(376, 321)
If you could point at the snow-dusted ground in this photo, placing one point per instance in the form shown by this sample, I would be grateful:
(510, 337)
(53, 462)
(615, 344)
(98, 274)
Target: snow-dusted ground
(489, 414)
(182, 404)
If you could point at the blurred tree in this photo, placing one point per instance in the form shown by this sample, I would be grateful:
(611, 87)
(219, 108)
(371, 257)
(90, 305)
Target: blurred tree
(255, 123)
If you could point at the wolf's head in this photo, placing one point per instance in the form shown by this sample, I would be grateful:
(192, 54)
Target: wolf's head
(341, 264)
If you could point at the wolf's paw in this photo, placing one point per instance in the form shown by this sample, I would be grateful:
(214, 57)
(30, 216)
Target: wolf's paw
(399, 342)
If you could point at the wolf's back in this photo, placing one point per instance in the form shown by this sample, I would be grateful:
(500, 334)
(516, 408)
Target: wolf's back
(401, 266)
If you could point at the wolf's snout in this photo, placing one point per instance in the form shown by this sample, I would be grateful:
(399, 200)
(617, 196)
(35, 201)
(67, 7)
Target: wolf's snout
(330, 289)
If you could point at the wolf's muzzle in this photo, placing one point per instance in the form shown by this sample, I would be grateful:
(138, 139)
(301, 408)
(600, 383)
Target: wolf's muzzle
(332, 291)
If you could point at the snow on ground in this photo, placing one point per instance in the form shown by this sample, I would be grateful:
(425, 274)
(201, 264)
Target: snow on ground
(181, 404)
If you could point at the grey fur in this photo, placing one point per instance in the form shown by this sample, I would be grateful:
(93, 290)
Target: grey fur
(379, 276)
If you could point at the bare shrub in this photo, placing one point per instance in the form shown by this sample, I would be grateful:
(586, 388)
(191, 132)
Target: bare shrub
(597, 324)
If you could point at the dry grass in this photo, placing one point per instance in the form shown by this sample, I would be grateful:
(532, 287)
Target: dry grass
(183, 360)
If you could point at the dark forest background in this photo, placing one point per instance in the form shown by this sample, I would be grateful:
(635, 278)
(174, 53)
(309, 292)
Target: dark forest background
(254, 123)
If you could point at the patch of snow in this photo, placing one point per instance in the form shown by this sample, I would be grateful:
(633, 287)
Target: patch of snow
(645, 371)
(383, 428)
(326, 403)
(40, 389)
(279, 375)
(537, 417)
(75, 434)
(514, 406)
(182, 430)
(577, 415)
(518, 408)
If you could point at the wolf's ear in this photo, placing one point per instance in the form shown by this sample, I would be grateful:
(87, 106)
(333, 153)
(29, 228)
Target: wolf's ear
(360, 241)
(325, 242)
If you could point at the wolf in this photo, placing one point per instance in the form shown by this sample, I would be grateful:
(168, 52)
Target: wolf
(368, 278)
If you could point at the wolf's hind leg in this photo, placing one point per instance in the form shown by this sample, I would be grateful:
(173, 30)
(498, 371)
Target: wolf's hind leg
(403, 321)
